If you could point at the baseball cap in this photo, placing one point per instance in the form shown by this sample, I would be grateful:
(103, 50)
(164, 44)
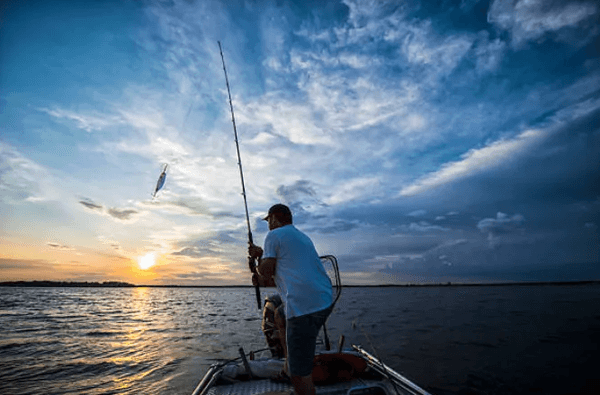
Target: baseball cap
(279, 208)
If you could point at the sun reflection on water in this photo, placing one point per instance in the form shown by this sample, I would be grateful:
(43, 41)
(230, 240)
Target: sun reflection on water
(129, 340)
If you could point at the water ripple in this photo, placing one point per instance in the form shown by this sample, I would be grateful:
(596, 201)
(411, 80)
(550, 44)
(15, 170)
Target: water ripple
(159, 341)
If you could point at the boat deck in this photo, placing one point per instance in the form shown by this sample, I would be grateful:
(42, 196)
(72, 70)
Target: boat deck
(270, 387)
(257, 377)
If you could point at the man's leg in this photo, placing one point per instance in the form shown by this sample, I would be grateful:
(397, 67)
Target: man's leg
(303, 385)
(302, 338)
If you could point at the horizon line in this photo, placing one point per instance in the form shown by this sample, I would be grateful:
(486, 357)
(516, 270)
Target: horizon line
(121, 284)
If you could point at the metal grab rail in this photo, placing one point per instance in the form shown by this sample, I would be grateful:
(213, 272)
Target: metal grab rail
(330, 261)
(334, 276)
(206, 380)
(390, 373)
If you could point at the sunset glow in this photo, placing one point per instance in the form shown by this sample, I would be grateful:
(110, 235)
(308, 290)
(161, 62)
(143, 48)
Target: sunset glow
(147, 261)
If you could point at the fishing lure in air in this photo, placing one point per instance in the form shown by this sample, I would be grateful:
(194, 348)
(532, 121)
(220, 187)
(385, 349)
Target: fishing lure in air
(161, 180)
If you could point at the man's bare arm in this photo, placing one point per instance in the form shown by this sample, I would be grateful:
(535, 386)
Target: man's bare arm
(266, 272)
(265, 269)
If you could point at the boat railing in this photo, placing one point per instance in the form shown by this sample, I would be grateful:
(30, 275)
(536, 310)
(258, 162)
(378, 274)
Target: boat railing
(390, 373)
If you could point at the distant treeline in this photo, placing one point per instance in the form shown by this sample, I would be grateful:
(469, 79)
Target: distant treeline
(64, 284)
(497, 284)
(117, 284)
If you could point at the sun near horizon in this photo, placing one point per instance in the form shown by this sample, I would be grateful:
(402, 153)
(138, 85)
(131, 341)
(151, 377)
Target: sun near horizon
(145, 262)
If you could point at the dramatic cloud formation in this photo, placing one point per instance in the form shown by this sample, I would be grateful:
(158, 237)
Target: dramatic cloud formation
(474, 161)
(416, 141)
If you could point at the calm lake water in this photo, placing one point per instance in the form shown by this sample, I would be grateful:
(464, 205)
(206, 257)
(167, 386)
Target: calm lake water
(449, 340)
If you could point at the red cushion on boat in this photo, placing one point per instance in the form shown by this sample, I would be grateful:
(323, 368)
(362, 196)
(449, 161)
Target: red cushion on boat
(333, 368)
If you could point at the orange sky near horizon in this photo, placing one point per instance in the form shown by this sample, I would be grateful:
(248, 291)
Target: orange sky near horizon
(28, 261)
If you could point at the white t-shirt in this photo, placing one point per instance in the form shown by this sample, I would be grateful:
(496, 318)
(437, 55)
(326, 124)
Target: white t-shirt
(300, 277)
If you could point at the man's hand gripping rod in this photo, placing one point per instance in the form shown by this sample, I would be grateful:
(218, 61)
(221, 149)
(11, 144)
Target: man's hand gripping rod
(251, 261)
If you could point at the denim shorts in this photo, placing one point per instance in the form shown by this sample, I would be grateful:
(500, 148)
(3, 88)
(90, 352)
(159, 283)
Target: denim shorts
(301, 338)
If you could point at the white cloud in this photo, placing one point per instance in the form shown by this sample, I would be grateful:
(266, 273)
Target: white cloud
(22, 179)
(368, 20)
(88, 122)
(362, 11)
(292, 120)
(502, 224)
(354, 189)
(333, 102)
(421, 47)
(370, 23)
(147, 120)
(529, 20)
(351, 104)
(423, 226)
(158, 147)
(356, 61)
(489, 54)
(476, 161)
(417, 213)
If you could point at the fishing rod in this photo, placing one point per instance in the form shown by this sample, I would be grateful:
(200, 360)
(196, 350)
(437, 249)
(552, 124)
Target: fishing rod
(251, 261)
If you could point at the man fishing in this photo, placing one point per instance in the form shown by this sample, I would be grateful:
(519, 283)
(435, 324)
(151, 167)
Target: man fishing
(290, 260)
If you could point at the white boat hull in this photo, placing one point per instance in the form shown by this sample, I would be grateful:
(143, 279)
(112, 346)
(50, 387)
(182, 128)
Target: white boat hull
(233, 379)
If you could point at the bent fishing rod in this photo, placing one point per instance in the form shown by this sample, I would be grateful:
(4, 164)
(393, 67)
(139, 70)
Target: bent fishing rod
(251, 261)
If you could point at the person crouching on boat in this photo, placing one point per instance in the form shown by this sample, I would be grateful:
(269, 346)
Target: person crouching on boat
(273, 325)
(291, 262)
